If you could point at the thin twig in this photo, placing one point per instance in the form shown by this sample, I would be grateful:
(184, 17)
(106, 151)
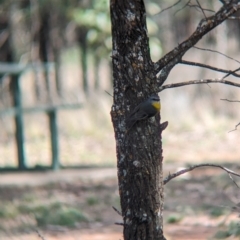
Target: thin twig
(182, 7)
(176, 3)
(234, 18)
(199, 5)
(204, 9)
(117, 211)
(108, 93)
(215, 51)
(196, 64)
(119, 223)
(229, 100)
(174, 175)
(230, 176)
(231, 73)
(235, 129)
(202, 81)
(39, 234)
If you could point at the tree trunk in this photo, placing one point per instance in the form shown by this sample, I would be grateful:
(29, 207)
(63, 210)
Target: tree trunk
(82, 41)
(57, 66)
(139, 151)
(44, 49)
(96, 67)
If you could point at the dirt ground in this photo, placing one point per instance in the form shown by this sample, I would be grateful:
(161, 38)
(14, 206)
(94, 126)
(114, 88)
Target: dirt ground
(197, 206)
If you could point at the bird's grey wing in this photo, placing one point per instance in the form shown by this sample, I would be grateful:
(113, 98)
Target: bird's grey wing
(135, 110)
(140, 116)
(135, 118)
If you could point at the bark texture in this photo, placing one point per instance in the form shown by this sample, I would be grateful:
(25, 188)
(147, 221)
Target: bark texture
(139, 151)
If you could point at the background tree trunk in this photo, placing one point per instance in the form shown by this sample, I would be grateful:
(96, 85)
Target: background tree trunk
(82, 41)
(44, 49)
(96, 67)
(139, 152)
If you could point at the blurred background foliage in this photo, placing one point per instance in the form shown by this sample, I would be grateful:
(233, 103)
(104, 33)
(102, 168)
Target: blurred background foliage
(73, 39)
(66, 46)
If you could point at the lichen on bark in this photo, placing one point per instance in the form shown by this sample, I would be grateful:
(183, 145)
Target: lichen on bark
(139, 151)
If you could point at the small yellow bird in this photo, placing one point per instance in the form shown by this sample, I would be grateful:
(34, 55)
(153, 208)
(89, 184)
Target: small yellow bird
(144, 110)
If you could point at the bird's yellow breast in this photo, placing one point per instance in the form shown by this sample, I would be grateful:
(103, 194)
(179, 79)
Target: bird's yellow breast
(157, 105)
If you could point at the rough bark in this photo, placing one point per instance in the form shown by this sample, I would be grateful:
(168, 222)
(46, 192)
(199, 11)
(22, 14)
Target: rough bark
(139, 152)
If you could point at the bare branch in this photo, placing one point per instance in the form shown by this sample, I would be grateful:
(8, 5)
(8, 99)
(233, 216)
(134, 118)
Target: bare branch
(119, 223)
(202, 81)
(234, 18)
(229, 100)
(235, 129)
(203, 28)
(108, 93)
(231, 73)
(174, 175)
(201, 8)
(196, 64)
(176, 3)
(199, 5)
(117, 211)
(39, 235)
(230, 176)
(215, 51)
(166, 70)
(182, 7)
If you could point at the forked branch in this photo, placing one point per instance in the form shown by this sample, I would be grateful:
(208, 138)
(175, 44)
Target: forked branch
(171, 6)
(205, 26)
